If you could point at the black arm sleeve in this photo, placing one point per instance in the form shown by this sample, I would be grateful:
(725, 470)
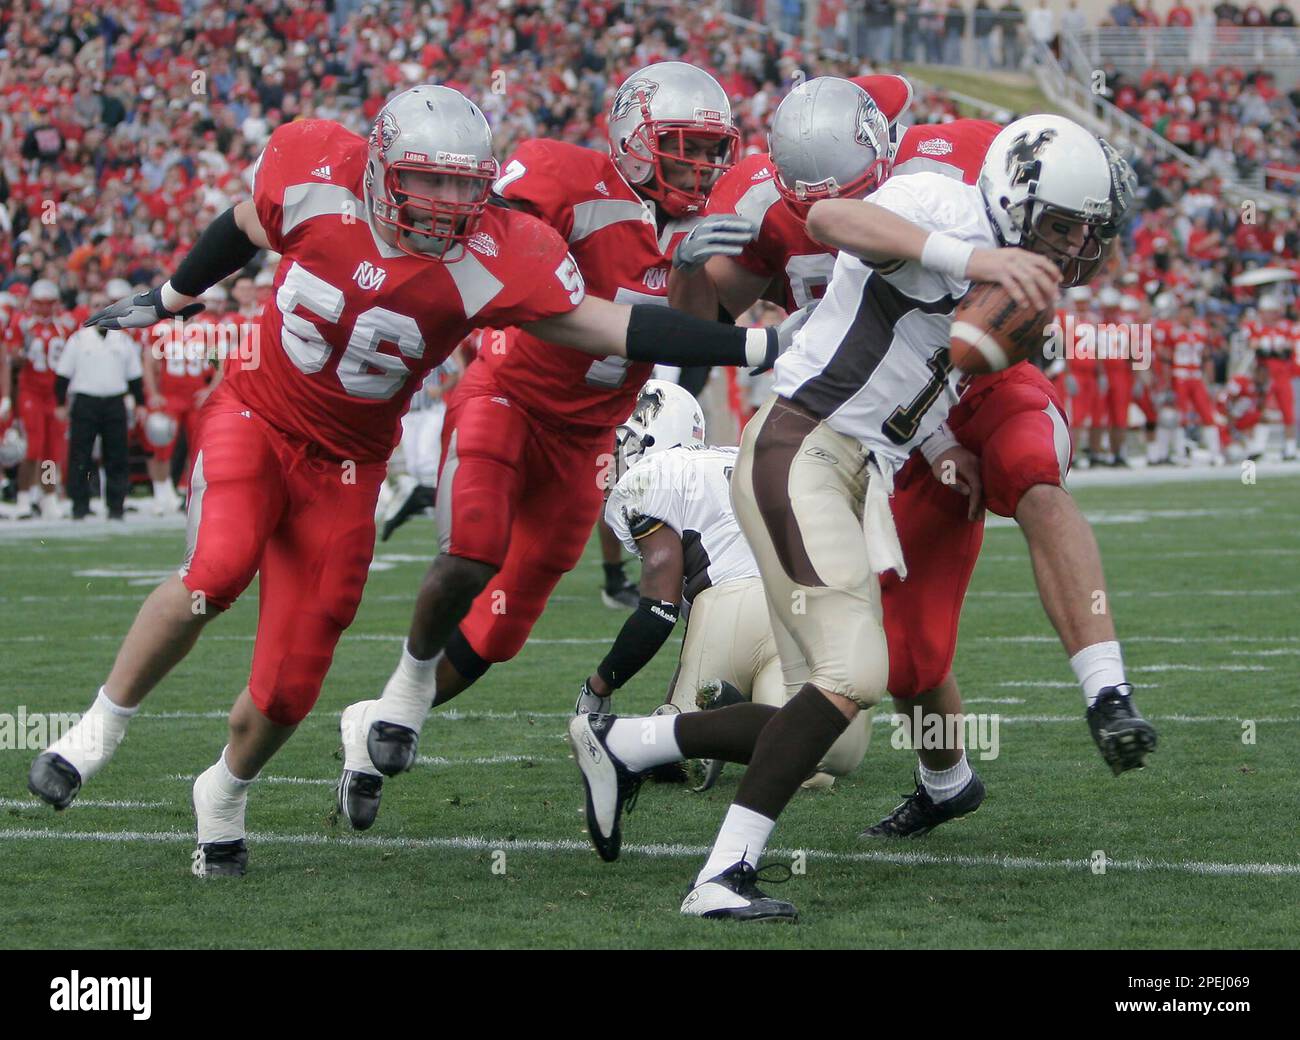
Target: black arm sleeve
(221, 250)
(638, 641)
(136, 388)
(665, 336)
(61, 390)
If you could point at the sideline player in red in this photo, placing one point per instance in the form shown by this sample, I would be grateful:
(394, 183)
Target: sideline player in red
(37, 335)
(1006, 438)
(529, 432)
(1191, 369)
(390, 255)
(1272, 337)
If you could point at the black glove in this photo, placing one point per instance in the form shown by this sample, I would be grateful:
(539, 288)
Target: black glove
(139, 312)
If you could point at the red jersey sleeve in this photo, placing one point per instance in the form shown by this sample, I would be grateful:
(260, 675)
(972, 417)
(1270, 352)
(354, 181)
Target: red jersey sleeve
(291, 153)
(542, 280)
(536, 177)
(892, 94)
(739, 189)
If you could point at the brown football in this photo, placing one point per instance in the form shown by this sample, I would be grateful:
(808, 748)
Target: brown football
(991, 331)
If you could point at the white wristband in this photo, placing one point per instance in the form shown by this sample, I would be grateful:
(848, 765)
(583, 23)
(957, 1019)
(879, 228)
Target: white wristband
(756, 347)
(946, 255)
(937, 443)
(173, 300)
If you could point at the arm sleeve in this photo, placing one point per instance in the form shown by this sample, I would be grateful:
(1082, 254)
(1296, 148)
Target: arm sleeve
(61, 390)
(221, 250)
(640, 638)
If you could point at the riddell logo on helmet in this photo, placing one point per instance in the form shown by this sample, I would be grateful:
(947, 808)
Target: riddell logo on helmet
(456, 159)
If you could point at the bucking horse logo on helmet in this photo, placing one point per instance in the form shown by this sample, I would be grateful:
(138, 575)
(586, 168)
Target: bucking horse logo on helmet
(1023, 164)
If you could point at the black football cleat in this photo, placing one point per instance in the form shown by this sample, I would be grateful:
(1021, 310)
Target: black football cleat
(918, 814)
(421, 498)
(609, 785)
(734, 895)
(54, 779)
(713, 694)
(392, 747)
(621, 597)
(358, 798)
(220, 859)
(1123, 736)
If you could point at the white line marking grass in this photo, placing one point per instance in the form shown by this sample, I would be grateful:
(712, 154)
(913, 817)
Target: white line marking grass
(660, 851)
(80, 803)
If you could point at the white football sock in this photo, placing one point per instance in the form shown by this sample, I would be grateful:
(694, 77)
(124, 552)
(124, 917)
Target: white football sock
(91, 742)
(1097, 667)
(644, 743)
(942, 784)
(162, 490)
(220, 799)
(743, 836)
(409, 694)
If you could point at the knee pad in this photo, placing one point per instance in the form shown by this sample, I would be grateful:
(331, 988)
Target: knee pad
(288, 694)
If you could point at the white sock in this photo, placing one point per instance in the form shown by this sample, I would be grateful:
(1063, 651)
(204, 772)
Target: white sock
(24, 501)
(942, 784)
(743, 836)
(91, 742)
(644, 742)
(162, 489)
(220, 799)
(409, 694)
(1097, 667)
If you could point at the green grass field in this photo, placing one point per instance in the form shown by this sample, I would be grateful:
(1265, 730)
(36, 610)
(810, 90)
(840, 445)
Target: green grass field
(483, 844)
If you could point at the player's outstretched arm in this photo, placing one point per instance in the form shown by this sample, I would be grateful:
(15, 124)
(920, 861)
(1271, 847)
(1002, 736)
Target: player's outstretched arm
(226, 245)
(661, 335)
(645, 632)
(878, 235)
(702, 266)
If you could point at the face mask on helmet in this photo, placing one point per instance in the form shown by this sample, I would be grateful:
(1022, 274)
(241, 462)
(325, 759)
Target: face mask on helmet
(433, 207)
(687, 161)
(1075, 244)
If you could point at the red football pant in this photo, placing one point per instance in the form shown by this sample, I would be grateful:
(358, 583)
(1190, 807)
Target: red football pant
(1119, 392)
(1086, 403)
(1191, 398)
(1017, 426)
(262, 502)
(1281, 394)
(47, 437)
(521, 497)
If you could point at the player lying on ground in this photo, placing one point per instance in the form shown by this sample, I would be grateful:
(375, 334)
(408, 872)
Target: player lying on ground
(390, 256)
(1012, 421)
(672, 506)
(810, 488)
(530, 429)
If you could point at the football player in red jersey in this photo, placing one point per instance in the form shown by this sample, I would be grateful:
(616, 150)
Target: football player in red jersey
(1272, 337)
(390, 255)
(529, 430)
(1191, 369)
(37, 335)
(1006, 439)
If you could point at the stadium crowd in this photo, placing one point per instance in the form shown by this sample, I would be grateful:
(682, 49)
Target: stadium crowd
(123, 132)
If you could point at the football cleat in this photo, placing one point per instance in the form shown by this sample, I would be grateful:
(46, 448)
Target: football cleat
(391, 747)
(609, 785)
(590, 702)
(1123, 736)
(918, 814)
(711, 694)
(419, 498)
(54, 779)
(734, 895)
(622, 597)
(220, 859)
(360, 786)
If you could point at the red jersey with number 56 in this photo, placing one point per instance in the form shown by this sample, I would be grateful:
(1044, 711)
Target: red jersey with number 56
(623, 257)
(354, 324)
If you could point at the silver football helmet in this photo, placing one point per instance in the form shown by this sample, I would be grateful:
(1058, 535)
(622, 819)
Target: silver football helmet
(1043, 177)
(828, 140)
(13, 446)
(653, 115)
(666, 415)
(160, 429)
(430, 169)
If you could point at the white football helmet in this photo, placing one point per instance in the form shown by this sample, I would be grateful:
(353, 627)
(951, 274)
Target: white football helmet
(665, 416)
(13, 446)
(1044, 175)
(159, 429)
(653, 114)
(430, 130)
(828, 139)
(44, 297)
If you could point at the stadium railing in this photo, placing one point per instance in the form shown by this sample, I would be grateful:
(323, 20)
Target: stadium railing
(1133, 51)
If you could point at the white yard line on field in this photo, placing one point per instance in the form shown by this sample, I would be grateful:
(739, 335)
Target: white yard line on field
(478, 844)
(80, 803)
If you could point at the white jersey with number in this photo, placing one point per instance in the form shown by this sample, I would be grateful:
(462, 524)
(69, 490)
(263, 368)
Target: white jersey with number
(872, 361)
(689, 490)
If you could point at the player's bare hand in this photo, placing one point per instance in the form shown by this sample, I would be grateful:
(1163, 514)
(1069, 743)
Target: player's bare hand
(61, 413)
(720, 234)
(1030, 279)
(138, 311)
(959, 469)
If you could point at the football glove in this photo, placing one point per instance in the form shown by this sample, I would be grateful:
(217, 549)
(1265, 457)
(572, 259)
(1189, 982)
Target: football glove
(139, 312)
(785, 334)
(720, 234)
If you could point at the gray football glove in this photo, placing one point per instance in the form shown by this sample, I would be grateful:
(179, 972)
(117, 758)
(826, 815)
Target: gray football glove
(785, 334)
(721, 234)
(139, 312)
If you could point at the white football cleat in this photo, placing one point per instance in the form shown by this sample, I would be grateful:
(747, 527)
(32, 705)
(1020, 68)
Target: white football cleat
(361, 785)
(734, 895)
(222, 851)
(609, 785)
